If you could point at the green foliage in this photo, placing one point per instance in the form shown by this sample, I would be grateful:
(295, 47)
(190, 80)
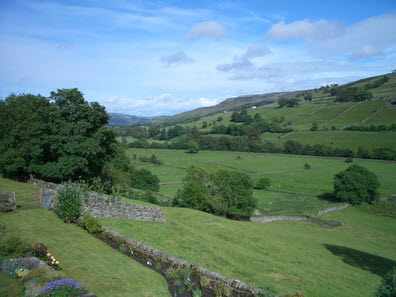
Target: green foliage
(39, 250)
(143, 179)
(62, 137)
(235, 194)
(356, 185)
(352, 94)
(92, 224)
(192, 147)
(196, 293)
(194, 195)
(386, 208)
(263, 183)
(68, 205)
(196, 174)
(315, 126)
(288, 102)
(14, 246)
(388, 286)
(307, 166)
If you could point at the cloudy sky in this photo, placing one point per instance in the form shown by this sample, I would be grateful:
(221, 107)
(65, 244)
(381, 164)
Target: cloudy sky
(165, 57)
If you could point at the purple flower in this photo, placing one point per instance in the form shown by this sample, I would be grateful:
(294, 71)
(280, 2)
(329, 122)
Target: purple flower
(58, 284)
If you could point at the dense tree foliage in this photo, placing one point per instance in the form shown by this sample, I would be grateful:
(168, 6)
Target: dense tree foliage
(344, 94)
(226, 193)
(356, 185)
(62, 137)
(288, 102)
(143, 179)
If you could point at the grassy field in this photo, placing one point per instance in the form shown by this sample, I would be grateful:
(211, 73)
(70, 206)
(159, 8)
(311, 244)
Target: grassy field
(340, 138)
(285, 171)
(94, 264)
(281, 256)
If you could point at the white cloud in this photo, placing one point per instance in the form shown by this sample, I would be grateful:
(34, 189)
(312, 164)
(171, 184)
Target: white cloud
(243, 62)
(175, 59)
(366, 51)
(302, 29)
(164, 104)
(206, 29)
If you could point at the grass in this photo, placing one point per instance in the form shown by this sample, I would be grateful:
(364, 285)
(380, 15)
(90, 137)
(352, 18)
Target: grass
(285, 171)
(10, 286)
(342, 139)
(274, 204)
(387, 116)
(94, 264)
(281, 256)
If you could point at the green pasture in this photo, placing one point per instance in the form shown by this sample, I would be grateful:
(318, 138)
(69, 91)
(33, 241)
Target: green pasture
(358, 113)
(274, 204)
(281, 256)
(91, 262)
(286, 173)
(341, 138)
(386, 116)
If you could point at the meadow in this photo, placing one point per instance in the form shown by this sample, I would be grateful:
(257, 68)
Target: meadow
(281, 256)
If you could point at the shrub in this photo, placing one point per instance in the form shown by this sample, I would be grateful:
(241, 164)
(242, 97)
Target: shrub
(14, 246)
(234, 194)
(44, 275)
(68, 206)
(307, 166)
(39, 251)
(143, 179)
(388, 286)
(92, 224)
(194, 195)
(356, 185)
(263, 183)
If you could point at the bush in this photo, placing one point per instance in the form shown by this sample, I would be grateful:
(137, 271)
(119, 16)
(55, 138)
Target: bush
(307, 166)
(143, 179)
(263, 183)
(68, 206)
(194, 195)
(39, 251)
(234, 194)
(388, 286)
(356, 185)
(92, 224)
(14, 247)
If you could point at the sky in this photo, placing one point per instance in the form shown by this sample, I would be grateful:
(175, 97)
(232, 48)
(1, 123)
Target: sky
(149, 58)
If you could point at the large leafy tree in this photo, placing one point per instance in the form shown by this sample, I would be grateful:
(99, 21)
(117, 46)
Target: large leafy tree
(59, 138)
(356, 185)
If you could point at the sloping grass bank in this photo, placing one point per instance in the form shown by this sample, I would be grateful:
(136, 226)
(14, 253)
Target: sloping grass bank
(279, 257)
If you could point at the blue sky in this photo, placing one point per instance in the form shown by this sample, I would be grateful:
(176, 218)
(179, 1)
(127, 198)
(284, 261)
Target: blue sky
(165, 57)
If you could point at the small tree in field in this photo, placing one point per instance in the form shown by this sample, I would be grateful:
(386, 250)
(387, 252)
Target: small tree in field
(263, 183)
(356, 185)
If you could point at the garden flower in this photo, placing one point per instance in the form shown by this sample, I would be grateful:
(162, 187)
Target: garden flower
(57, 262)
(48, 255)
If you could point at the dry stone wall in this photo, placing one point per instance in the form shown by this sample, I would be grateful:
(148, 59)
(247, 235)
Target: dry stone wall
(150, 252)
(102, 207)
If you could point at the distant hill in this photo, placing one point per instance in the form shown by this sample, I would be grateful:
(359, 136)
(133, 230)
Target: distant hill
(226, 105)
(268, 98)
(119, 119)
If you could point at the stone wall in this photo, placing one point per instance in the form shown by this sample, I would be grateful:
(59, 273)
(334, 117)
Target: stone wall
(150, 252)
(102, 207)
(43, 184)
(7, 202)
(331, 209)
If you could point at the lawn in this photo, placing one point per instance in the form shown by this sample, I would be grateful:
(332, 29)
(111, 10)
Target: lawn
(91, 262)
(280, 256)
